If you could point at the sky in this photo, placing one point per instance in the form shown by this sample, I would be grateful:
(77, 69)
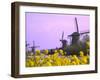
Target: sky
(46, 28)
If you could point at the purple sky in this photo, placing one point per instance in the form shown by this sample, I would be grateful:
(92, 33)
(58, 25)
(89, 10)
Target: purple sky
(46, 29)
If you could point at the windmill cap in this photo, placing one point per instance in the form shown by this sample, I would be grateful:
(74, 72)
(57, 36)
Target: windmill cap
(64, 40)
(75, 34)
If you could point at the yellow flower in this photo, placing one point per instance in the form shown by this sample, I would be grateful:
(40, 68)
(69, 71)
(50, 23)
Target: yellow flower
(55, 55)
(42, 56)
(37, 52)
(58, 62)
(47, 64)
(75, 59)
(37, 59)
(61, 52)
(56, 59)
(81, 53)
(84, 60)
(55, 51)
(88, 44)
(29, 63)
(64, 61)
(65, 53)
(68, 62)
(46, 51)
(32, 63)
(73, 63)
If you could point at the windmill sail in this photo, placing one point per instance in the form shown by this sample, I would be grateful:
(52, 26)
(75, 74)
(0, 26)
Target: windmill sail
(33, 47)
(33, 43)
(62, 35)
(27, 44)
(84, 32)
(76, 25)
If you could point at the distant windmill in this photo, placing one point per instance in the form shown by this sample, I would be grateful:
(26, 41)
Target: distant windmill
(64, 42)
(34, 47)
(76, 35)
(26, 45)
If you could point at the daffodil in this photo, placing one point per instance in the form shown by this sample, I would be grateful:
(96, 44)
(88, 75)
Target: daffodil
(29, 63)
(88, 44)
(58, 58)
(37, 52)
(58, 62)
(73, 63)
(84, 60)
(55, 51)
(61, 52)
(81, 53)
(55, 55)
(46, 51)
(47, 64)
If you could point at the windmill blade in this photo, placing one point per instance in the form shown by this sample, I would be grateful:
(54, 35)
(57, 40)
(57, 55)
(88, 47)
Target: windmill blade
(69, 36)
(27, 44)
(37, 46)
(34, 46)
(76, 25)
(33, 43)
(83, 33)
(62, 35)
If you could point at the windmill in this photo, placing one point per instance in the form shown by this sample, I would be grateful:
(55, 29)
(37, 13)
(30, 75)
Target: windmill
(76, 35)
(33, 47)
(63, 41)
